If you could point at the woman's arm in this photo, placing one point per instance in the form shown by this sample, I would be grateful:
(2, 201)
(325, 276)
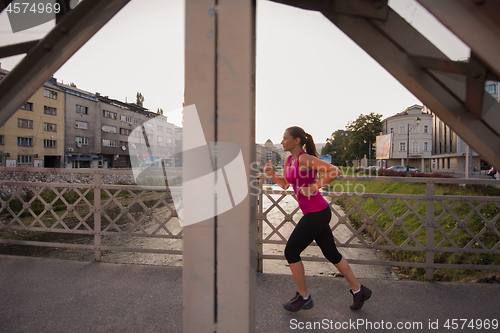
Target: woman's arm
(331, 172)
(281, 181)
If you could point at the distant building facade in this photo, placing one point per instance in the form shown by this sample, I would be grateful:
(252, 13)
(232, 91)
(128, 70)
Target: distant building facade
(417, 147)
(267, 152)
(63, 126)
(34, 135)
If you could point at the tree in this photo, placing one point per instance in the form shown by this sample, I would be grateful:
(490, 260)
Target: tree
(336, 147)
(72, 85)
(139, 99)
(278, 158)
(364, 131)
(159, 111)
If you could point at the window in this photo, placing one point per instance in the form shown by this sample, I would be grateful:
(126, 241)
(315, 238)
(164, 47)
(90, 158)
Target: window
(160, 128)
(426, 129)
(414, 148)
(168, 140)
(24, 159)
(1, 159)
(126, 119)
(125, 131)
(24, 123)
(81, 125)
(27, 106)
(81, 141)
(82, 109)
(159, 139)
(492, 88)
(49, 127)
(49, 143)
(109, 143)
(109, 114)
(109, 129)
(448, 162)
(50, 110)
(426, 146)
(50, 94)
(138, 121)
(402, 146)
(150, 126)
(402, 129)
(124, 144)
(24, 141)
(1, 139)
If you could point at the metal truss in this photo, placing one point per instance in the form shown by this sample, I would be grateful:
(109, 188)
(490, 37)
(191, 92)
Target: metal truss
(453, 90)
(44, 57)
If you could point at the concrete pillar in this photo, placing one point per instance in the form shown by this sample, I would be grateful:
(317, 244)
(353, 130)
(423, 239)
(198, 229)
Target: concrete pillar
(219, 253)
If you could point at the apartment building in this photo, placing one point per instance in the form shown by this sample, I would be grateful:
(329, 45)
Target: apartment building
(410, 139)
(81, 128)
(34, 135)
(267, 151)
(63, 126)
(450, 151)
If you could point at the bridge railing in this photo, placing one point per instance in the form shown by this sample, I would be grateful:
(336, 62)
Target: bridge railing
(86, 211)
(427, 224)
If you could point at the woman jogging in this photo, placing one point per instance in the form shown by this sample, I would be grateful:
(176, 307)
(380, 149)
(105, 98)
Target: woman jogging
(300, 171)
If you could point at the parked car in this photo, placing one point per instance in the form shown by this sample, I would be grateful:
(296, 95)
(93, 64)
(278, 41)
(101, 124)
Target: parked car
(492, 172)
(372, 169)
(397, 168)
(414, 169)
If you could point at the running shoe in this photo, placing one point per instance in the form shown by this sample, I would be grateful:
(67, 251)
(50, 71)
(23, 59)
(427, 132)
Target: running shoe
(360, 297)
(298, 303)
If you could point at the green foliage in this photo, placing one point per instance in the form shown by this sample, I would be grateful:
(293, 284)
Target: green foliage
(278, 158)
(139, 99)
(364, 131)
(412, 221)
(336, 147)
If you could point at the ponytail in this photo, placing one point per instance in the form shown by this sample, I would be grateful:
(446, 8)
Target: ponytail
(310, 146)
(306, 140)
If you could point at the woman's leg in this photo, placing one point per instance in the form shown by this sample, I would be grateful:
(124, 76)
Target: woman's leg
(345, 269)
(326, 242)
(303, 234)
(299, 276)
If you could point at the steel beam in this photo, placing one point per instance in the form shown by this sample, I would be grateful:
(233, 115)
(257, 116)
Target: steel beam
(199, 260)
(375, 9)
(74, 30)
(15, 49)
(219, 253)
(236, 228)
(390, 43)
(4, 4)
(475, 22)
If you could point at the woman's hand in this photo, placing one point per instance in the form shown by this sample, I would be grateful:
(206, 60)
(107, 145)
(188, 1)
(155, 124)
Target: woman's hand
(269, 168)
(308, 191)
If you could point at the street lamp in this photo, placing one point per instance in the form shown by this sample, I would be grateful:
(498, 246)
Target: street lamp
(417, 121)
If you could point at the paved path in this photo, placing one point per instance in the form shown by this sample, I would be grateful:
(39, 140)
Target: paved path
(52, 295)
(341, 233)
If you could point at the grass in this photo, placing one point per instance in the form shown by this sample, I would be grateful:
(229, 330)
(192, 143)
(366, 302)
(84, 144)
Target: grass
(412, 221)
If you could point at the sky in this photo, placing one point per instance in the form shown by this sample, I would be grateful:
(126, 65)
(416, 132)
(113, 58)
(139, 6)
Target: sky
(308, 72)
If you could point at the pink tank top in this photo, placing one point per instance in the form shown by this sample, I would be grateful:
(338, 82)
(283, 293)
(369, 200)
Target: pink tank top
(298, 179)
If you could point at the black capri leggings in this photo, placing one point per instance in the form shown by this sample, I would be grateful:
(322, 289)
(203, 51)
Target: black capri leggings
(313, 226)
